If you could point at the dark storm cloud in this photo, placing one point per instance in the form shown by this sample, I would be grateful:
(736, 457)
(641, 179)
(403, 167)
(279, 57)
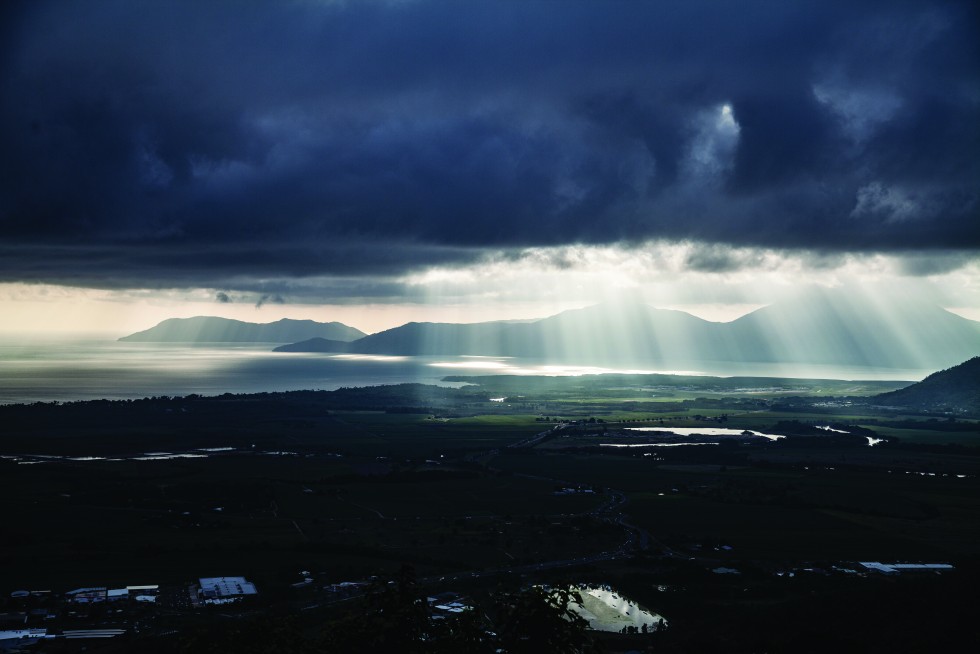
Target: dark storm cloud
(269, 299)
(714, 258)
(172, 265)
(160, 144)
(927, 264)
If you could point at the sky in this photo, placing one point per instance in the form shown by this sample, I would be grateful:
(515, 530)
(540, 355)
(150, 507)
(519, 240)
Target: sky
(378, 162)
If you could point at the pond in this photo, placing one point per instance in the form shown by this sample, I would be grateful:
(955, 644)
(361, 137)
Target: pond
(707, 431)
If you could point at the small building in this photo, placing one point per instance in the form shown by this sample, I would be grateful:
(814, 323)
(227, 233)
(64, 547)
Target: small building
(898, 568)
(226, 587)
(880, 568)
(447, 603)
(21, 636)
(144, 593)
(922, 567)
(87, 595)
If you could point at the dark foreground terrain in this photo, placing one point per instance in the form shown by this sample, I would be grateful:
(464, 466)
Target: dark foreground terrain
(359, 513)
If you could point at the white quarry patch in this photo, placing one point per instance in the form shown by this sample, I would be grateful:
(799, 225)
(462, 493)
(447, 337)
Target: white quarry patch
(607, 610)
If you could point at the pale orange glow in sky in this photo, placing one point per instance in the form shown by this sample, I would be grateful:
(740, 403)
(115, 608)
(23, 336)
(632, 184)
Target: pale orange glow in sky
(540, 283)
(66, 310)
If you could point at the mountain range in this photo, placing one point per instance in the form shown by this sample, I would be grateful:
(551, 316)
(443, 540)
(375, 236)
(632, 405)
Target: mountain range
(819, 327)
(209, 329)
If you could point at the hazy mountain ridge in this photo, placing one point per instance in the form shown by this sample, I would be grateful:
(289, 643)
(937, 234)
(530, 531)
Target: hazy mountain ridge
(820, 327)
(833, 327)
(600, 333)
(955, 389)
(210, 329)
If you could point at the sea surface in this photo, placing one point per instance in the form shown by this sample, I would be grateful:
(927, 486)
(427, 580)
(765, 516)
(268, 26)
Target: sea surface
(46, 369)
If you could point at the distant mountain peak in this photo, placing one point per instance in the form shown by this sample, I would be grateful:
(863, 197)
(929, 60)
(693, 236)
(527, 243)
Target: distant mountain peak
(619, 307)
(212, 329)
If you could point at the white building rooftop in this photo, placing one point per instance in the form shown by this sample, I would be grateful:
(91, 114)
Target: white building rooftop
(227, 586)
(896, 568)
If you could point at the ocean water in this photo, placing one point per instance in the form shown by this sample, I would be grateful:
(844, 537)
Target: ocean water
(66, 370)
(45, 369)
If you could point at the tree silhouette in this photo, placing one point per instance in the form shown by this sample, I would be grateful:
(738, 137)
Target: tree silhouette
(539, 620)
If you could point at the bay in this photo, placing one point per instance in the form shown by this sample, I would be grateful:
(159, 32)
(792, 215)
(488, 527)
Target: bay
(55, 369)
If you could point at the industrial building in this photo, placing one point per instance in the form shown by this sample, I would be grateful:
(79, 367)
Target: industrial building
(213, 588)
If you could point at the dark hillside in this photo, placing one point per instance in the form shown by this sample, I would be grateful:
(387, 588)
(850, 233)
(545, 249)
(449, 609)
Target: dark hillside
(955, 390)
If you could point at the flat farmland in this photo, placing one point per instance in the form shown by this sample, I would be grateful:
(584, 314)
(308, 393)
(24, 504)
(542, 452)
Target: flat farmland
(97, 522)
(817, 511)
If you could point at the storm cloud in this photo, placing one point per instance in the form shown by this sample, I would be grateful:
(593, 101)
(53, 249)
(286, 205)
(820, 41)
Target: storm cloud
(207, 144)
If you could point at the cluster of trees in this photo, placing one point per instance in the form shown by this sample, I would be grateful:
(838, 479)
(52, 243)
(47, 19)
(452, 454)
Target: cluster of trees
(591, 420)
(396, 617)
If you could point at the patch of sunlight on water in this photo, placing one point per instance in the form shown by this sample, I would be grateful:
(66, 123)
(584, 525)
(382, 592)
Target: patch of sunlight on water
(871, 440)
(651, 444)
(707, 431)
(368, 357)
(548, 369)
(472, 365)
(829, 428)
